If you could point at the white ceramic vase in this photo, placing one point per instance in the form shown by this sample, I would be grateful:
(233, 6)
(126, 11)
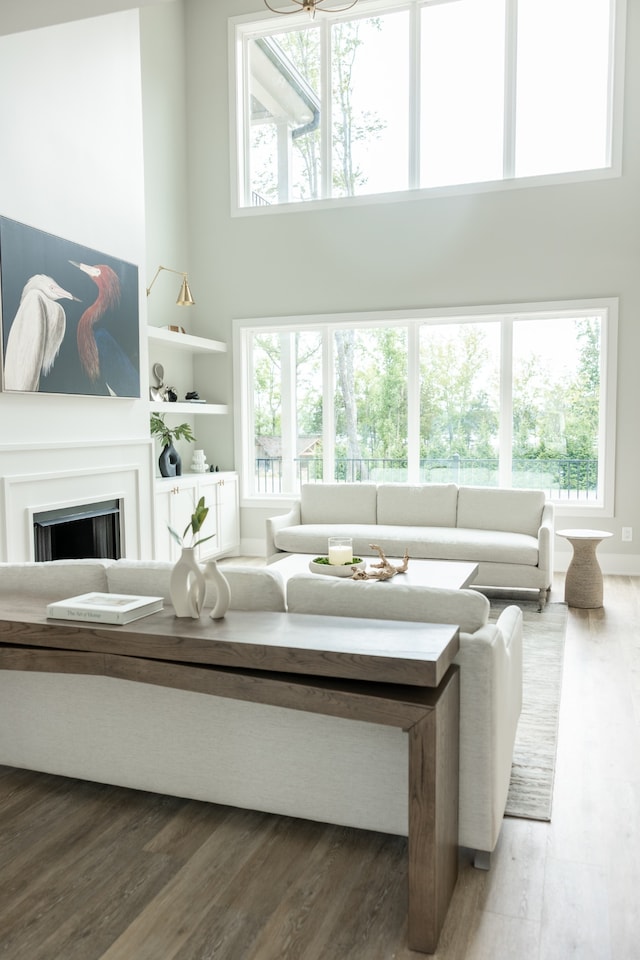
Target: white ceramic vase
(199, 462)
(187, 585)
(214, 575)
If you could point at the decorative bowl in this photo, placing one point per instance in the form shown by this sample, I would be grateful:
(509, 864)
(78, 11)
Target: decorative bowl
(334, 570)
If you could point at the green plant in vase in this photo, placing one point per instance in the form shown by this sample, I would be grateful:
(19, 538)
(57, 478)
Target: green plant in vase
(195, 524)
(169, 462)
(188, 584)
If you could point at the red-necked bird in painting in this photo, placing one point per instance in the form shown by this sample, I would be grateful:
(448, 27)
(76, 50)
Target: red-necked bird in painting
(36, 333)
(101, 356)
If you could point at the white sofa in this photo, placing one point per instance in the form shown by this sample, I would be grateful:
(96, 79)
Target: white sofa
(253, 755)
(509, 533)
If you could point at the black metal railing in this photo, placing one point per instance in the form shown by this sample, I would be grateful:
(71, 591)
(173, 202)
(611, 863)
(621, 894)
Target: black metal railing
(561, 479)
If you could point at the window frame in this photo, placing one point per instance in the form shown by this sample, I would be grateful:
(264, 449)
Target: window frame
(242, 28)
(607, 308)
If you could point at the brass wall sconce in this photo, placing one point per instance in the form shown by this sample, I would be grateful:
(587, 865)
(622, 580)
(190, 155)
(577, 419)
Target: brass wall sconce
(185, 298)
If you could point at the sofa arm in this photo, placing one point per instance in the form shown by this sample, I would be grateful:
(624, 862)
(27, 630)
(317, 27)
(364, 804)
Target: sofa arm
(490, 663)
(545, 543)
(289, 519)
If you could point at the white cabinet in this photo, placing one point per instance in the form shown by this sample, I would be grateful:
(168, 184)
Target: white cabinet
(174, 503)
(175, 500)
(228, 505)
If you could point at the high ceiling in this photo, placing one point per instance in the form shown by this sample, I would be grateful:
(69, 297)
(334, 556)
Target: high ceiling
(18, 15)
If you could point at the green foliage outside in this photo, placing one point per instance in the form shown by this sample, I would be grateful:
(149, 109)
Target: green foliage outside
(349, 125)
(555, 417)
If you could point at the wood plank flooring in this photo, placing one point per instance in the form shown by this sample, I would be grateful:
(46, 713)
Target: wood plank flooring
(93, 872)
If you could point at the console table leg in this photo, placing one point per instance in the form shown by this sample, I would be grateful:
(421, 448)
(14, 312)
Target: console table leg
(433, 815)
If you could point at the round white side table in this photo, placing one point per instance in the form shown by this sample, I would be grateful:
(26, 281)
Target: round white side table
(583, 583)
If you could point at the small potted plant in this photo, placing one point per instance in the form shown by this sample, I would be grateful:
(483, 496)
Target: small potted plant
(198, 517)
(187, 585)
(169, 461)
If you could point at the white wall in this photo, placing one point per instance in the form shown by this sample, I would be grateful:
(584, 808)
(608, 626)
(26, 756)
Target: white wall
(71, 164)
(18, 15)
(166, 186)
(534, 244)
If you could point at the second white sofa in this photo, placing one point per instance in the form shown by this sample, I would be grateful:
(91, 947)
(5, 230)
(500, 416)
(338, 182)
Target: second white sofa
(254, 755)
(508, 533)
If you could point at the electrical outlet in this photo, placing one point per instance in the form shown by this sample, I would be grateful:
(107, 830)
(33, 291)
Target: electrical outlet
(627, 534)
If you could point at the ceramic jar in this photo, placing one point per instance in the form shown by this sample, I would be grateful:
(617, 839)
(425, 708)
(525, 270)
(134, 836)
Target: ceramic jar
(199, 462)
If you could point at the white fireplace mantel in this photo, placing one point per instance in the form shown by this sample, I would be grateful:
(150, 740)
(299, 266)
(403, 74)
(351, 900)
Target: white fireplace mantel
(36, 478)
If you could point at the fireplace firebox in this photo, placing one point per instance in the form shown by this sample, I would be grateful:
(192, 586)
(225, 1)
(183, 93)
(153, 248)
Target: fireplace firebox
(73, 533)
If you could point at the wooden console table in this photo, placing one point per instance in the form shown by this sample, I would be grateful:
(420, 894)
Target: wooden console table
(386, 672)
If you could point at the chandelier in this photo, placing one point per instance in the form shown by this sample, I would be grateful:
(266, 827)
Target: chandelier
(310, 6)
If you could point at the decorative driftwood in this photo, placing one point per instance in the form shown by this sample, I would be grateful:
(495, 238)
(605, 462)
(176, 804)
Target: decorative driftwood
(382, 570)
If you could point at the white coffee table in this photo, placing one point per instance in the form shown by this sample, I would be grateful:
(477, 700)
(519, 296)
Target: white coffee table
(450, 574)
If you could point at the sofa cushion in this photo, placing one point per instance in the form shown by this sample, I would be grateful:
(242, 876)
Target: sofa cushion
(386, 600)
(146, 578)
(312, 537)
(54, 579)
(338, 503)
(489, 508)
(252, 588)
(423, 505)
(426, 543)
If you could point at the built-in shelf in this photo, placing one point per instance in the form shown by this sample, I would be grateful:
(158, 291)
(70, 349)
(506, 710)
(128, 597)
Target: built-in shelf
(192, 345)
(185, 341)
(191, 409)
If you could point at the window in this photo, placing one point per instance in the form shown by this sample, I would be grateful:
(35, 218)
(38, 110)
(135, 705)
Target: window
(410, 94)
(500, 397)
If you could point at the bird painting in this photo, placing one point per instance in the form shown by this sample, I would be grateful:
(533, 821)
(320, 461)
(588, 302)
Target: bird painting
(36, 333)
(101, 357)
(69, 324)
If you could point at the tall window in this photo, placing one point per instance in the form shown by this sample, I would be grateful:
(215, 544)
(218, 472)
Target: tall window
(506, 399)
(407, 94)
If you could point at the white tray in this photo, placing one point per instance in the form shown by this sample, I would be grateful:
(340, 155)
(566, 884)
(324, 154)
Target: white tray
(333, 570)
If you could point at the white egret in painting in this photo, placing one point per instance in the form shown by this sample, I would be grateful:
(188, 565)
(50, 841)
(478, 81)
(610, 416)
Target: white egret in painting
(36, 333)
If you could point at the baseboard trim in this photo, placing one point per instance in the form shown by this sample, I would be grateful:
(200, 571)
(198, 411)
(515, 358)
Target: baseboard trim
(253, 548)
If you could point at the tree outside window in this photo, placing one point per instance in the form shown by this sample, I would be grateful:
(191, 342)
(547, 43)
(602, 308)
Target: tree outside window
(532, 416)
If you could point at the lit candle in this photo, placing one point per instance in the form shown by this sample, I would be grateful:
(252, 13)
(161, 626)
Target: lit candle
(340, 550)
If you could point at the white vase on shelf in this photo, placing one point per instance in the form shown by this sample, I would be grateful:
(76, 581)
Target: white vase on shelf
(214, 575)
(199, 462)
(187, 585)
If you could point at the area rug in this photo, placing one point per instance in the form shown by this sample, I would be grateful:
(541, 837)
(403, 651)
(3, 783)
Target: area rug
(533, 769)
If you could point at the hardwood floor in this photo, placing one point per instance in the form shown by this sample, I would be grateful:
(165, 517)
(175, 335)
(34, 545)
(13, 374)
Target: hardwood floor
(91, 872)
